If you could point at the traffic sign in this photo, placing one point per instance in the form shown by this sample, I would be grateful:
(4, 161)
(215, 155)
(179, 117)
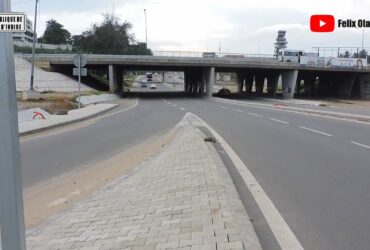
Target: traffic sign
(82, 70)
(76, 60)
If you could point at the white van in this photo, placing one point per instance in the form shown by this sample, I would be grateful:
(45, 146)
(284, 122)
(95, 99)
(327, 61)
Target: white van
(290, 55)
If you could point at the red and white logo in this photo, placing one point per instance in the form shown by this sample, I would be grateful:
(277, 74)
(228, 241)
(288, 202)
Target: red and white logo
(322, 23)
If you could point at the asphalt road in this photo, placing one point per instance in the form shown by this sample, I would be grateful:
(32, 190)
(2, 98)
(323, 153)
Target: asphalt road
(315, 170)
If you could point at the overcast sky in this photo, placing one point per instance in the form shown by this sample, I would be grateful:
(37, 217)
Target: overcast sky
(248, 26)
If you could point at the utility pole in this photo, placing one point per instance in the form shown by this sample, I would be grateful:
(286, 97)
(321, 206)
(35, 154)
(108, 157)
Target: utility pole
(33, 47)
(12, 234)
(146, 29)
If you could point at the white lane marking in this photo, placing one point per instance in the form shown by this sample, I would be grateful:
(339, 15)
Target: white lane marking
(280, 121)
(312, 130)
(123, 110)
(256, 115)
(237, 110)
(169, 103)
(183, 109)
(361, 145)
(292, 111)
(281, 230)
(223, 107)
(174, 105)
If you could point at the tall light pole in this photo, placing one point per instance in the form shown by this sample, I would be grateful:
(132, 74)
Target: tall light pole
(146, 29)
(33, 47)
(12, 235)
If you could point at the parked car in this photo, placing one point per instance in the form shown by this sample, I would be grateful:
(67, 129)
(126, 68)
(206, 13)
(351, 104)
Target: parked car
(153, 86)
(224, 92)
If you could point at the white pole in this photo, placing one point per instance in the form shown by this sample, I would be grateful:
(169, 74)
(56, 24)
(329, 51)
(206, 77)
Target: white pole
(79, 81)
(146, 29)
(33, 48)
(12, 235)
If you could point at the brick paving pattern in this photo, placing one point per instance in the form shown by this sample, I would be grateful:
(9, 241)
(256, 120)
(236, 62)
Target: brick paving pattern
(178, 199)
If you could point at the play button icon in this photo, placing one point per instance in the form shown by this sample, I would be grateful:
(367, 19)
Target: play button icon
(322, 23)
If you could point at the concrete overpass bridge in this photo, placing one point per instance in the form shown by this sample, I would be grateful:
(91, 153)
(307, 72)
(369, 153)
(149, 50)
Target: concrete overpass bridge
(200, 73)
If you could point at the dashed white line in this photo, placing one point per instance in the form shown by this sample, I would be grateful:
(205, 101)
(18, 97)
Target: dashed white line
(361, 145)
(256, 115)
(169, 103)
(174, 105)
(315, 131)
(183, 109)
(237, 110)
(280, 121)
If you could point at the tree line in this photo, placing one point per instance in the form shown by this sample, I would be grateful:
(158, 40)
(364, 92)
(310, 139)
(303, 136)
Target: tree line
(111, 36)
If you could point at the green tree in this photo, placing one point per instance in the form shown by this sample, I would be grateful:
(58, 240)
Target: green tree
(111, 36)
(55, 33)
(108, 37)
(138, 49)
(345, 55)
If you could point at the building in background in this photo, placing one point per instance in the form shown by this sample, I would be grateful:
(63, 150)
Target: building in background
(25, 36)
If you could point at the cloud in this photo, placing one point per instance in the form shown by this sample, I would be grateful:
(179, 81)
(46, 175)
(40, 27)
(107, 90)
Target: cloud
(239, 25)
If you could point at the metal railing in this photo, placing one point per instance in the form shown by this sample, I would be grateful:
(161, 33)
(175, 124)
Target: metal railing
(214, 55)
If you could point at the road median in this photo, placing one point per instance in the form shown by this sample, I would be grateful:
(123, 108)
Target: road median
(181, 197)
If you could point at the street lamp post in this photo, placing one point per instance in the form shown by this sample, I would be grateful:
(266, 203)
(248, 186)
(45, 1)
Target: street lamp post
(12, 234)
(33, 48)
(146, 29)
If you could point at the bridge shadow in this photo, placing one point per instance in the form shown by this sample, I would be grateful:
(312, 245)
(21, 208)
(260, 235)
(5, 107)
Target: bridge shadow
(161, 94)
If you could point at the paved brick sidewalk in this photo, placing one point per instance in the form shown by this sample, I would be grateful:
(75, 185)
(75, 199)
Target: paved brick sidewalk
(179, 199)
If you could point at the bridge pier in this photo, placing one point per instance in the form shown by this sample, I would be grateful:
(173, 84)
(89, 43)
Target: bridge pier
(194, 81)
(309, 84)
(209, 75)
(240, 79)
(344, 84)
(364, 82)
(272, 82)
(249, 79)
(113, 78)
(289, 79)
(260, 83)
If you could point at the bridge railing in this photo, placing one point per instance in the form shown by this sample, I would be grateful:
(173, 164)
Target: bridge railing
(215, 55)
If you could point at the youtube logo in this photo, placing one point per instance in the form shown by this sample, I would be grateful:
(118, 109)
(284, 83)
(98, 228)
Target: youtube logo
(322, 23)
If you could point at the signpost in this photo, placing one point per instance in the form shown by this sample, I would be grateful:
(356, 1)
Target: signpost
(12, 235)
(79, 61)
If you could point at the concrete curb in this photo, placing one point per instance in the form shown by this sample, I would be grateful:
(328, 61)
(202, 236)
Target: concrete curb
(38, 130)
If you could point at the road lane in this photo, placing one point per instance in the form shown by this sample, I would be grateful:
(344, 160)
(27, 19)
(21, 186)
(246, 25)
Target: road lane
(320, 184)
(44, 157)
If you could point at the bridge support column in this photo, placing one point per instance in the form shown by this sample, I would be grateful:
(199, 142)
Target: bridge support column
(272, 82)
(289, 79)
(364, 81)
(249, 79)
(210, 76)
(344, 84)
(260, 82)
(240, 77)
(113, 79)
(309, 84)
